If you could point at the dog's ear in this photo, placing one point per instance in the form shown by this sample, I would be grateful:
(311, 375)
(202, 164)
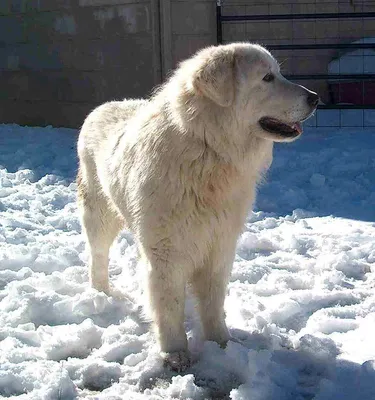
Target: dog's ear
(215, 78)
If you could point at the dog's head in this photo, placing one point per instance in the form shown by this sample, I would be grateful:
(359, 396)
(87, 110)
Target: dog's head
(247, 78)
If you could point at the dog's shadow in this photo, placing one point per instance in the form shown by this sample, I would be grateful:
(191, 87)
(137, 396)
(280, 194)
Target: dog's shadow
(212, 366)
(263, 365)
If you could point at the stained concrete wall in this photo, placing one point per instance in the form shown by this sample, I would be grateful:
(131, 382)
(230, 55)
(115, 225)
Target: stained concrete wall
(61, 58)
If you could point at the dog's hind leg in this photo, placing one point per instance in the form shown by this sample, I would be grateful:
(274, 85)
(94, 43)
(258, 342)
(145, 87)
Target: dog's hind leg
(100, 225)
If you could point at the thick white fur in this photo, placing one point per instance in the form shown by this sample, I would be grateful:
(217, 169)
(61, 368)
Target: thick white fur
(180, 171)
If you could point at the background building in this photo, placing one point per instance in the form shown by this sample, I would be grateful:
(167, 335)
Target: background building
(61, 58)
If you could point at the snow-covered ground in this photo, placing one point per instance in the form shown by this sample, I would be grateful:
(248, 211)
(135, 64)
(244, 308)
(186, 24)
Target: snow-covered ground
(301, 301)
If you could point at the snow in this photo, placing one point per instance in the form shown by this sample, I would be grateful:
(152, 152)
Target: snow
(355, 62)
(300, 304)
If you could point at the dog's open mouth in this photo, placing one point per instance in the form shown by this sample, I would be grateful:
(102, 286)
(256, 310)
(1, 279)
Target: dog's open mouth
(274, 125)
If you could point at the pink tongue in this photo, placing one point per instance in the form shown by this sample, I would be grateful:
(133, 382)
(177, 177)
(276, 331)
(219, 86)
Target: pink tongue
(298, 127)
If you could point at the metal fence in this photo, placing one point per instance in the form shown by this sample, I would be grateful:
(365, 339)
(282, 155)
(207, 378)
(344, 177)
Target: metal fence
(344, 86)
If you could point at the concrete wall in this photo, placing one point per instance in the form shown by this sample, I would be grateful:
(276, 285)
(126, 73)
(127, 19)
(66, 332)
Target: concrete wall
(61, 58)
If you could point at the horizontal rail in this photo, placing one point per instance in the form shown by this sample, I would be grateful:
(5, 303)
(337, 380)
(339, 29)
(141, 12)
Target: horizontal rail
(339, 77)
(346, 107)
(314, 46)
(274, 17)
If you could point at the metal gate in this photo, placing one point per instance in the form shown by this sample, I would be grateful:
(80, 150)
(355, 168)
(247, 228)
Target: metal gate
(345, 75)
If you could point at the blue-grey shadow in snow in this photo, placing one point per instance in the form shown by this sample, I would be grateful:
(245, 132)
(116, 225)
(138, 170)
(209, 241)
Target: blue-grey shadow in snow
(327, 172)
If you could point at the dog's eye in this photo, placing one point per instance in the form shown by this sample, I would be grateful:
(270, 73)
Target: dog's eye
(269, 77)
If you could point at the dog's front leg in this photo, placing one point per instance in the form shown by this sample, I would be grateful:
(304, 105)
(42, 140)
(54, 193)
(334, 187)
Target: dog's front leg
(166, 299)
(210, 286)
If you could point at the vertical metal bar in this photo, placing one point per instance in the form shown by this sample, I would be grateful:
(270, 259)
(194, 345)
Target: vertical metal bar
(166, 37)
(156, 41)
(219, 31)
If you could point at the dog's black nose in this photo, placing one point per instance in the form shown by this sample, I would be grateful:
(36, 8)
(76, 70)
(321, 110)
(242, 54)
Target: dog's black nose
(312, 99)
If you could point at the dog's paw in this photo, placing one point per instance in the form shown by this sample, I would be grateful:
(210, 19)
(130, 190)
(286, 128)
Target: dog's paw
(102, 288)
(224, 343)
(234, 340)
(221, 338)
(117, 293)
(177, 361)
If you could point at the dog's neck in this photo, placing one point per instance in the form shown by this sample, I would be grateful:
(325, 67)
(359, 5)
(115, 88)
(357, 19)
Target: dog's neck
(215, 127)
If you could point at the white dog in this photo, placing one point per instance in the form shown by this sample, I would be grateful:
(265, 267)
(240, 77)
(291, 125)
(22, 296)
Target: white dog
(180, 171)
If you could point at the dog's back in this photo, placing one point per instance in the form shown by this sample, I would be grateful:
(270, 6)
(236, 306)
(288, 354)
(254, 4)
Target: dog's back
(105, 121)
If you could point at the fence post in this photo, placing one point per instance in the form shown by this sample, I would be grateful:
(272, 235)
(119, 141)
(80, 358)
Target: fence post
(166, 37)
(219, 32)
